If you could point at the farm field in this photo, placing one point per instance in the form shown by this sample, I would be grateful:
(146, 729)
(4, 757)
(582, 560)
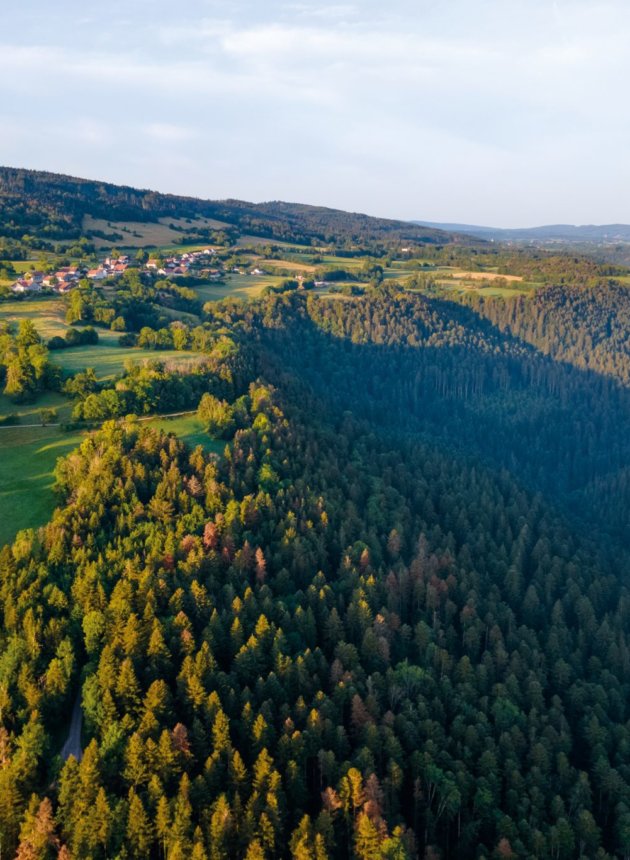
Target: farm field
(142, 234)
(485, 276)
(246, 241)
(294, 265)
(488, 290)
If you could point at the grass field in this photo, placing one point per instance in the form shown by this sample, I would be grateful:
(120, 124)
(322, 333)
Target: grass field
(109, 361)
(106, 357)
(237, 286)
(47, 313)
(190, 430)
(28, 458)
(28, 413)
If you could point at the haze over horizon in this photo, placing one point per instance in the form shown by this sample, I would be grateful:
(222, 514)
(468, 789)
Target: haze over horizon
(494, 113)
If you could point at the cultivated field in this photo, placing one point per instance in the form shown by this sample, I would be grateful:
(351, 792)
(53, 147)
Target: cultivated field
(485, 276)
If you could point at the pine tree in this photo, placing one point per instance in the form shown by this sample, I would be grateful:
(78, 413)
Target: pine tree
(139, 829)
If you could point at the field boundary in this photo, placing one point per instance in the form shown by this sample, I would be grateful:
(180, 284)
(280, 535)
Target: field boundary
(98, 423)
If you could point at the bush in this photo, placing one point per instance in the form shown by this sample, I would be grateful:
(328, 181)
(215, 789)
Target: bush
(57, 342)
(128, 339)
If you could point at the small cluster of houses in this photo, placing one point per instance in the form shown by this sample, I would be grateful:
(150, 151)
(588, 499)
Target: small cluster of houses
(182, 264)
(111, 267)
(61, 281)
(68, 277)
(188, 263)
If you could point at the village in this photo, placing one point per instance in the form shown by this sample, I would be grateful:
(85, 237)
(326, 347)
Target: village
(190, 263)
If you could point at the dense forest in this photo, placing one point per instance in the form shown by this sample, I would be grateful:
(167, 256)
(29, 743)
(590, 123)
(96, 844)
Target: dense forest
(391, 620)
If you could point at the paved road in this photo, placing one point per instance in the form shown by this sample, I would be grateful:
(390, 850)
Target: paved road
(72, 745)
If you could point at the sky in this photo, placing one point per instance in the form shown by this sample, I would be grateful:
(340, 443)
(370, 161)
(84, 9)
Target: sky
(510, 113)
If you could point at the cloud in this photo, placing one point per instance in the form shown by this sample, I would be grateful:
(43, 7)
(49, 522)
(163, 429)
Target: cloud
(166, 132)
(488, 106)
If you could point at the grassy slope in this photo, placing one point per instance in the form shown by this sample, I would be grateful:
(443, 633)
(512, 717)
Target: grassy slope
(190, 430)
(28, 459)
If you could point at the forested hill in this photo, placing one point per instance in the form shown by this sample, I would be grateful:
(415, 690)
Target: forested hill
(368, 630)
(52, 206)
(559, 233)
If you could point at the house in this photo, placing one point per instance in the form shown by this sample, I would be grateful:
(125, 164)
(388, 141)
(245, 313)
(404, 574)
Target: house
(257, 272)
(97, 274)
(26, 286)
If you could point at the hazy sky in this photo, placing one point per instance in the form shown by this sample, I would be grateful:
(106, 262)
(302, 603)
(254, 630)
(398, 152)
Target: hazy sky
(503, 112)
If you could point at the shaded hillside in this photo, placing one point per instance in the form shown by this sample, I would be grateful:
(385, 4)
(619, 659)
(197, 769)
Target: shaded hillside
(52, 206)
(584, 327)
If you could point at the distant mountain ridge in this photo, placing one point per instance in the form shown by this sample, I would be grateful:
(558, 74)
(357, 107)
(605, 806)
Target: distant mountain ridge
(53, 206)
(601, 233)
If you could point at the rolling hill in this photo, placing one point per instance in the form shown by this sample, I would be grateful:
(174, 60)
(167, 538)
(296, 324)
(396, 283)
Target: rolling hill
(53, 207)
(611, 234)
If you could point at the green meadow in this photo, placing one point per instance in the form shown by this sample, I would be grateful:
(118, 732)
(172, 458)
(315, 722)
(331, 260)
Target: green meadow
(27, 462)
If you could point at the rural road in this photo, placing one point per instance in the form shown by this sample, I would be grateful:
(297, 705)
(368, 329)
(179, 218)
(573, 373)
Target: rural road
(72, 745)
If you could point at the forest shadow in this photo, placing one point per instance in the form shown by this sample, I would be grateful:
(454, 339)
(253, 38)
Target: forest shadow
(483, 394)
